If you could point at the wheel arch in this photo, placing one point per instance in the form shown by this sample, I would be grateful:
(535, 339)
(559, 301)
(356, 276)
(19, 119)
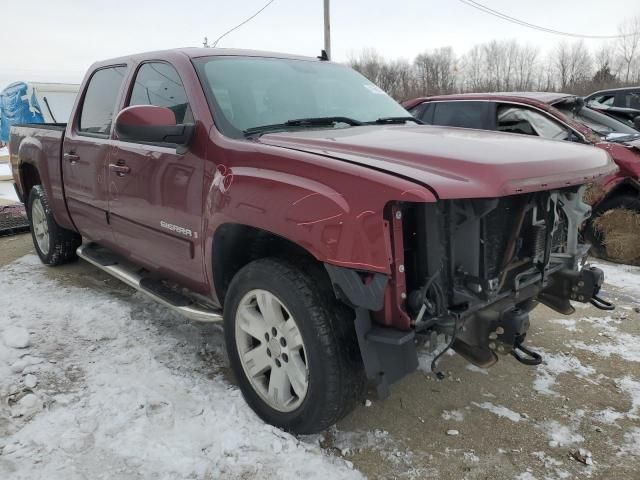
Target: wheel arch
(235, 245)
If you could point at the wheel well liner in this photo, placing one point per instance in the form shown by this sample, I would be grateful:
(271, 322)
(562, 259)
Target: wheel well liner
(29, 177)
(235, 245)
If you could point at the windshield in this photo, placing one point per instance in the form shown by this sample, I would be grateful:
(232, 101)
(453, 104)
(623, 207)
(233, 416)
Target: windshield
(599, 122)
(249, 92)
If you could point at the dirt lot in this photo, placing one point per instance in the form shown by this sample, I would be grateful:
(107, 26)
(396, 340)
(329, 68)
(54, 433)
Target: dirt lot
(510, 422)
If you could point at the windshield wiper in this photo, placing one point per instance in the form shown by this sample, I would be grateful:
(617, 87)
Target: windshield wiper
(302, 122)
(394, 120)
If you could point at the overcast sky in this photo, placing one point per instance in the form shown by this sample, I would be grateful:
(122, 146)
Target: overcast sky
(47, 40)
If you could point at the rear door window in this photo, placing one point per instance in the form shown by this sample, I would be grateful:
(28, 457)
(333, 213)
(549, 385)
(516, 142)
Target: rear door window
(100, 99)
(514, 119)
(158, 83)
(631, 100)
(465, 114)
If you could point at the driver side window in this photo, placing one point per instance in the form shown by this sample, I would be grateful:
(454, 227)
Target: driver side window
(514, 119)
(158, 83)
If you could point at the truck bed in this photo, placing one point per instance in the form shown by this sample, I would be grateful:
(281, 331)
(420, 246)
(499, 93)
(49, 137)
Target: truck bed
(37, 147)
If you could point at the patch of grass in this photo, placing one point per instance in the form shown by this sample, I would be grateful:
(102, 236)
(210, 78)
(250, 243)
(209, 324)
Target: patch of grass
(620, 230)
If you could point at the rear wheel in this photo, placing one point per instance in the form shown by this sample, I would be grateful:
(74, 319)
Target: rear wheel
(614, 228)
(55, 245)
(292, 347)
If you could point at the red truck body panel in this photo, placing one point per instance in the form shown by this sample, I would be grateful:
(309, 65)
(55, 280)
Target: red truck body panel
(327, 191)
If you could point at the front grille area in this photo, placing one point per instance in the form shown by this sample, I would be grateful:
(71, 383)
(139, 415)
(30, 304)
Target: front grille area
(476, 248)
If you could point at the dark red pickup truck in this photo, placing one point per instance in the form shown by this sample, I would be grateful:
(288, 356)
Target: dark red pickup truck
(297, 202)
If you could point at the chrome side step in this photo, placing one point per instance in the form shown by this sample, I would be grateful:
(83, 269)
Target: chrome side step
(129, 274)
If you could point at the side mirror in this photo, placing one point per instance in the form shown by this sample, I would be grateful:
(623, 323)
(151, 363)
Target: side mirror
(636, 122)
(151, 124)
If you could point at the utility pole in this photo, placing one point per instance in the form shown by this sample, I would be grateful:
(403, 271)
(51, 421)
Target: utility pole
(327, 29)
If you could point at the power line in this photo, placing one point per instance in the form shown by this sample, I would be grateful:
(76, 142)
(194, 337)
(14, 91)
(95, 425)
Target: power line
(241, 24)
(508, 18)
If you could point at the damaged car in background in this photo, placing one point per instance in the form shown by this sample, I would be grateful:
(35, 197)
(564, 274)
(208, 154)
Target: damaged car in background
(614, 224)
(296, 202)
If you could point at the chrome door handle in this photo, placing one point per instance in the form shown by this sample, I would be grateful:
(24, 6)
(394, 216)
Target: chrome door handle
(71, 157)
(120, 170)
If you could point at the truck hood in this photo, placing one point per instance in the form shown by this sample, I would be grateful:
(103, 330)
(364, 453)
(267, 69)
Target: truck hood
(456, 162)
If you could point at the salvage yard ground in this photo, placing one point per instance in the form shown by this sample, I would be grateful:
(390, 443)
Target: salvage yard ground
(98, 382)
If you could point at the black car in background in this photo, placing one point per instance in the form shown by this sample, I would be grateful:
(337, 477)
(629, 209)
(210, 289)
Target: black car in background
(620, 103)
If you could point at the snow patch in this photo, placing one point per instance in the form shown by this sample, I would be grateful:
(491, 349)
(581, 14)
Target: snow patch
(624, 277)
(623, 344)
(474, 368)
(131, 391)
(16, 337)
(632, 443)
(632, 388)
(555, 364)
(500, 411)
(455, 415)
(568, 324)
(559, 434)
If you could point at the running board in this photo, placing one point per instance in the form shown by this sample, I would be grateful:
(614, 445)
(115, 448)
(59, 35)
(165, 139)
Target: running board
(129, 274)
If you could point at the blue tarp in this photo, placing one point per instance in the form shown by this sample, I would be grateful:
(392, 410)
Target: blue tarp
(18, 104)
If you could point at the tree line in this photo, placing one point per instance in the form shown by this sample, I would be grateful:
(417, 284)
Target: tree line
(508, 65)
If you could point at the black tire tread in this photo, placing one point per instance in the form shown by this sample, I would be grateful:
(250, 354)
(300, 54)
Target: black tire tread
(335, 334)
(62, 242)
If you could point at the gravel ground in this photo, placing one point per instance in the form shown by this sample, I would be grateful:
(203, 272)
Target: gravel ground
(508, 422)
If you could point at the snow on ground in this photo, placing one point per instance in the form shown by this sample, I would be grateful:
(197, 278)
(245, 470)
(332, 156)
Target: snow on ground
(554, 364)
(568, 323)
(560, 435)
(632, 445)
(5, 169)
(500, 411)
(624, 277)
(7, 192)
(4, 151)
(455, 415)
(99, 387)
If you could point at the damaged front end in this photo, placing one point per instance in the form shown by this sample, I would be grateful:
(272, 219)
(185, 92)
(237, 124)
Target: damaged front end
(472, 270)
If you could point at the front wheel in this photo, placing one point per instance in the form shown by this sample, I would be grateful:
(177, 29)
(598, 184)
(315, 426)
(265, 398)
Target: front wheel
(55, 245)
(292, 347)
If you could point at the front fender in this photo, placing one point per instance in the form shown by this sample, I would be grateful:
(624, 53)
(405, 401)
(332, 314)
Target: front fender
(332, 209)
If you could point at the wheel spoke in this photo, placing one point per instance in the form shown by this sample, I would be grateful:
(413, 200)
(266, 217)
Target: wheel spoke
(251, 322)
(279, 387)
(297, 373)
(256, 360)
(293, 335)
(270, 308)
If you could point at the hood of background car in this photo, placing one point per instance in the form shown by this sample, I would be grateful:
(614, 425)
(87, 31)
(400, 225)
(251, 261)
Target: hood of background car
(456, 162)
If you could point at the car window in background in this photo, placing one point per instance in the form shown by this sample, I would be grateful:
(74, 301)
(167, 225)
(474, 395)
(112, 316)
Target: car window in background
(465, 114)
(632, 100)
(596, 121)
(252, 92)
(418, 110)
(158, 83)
(100, 100)
(529, 122)
(607, 99)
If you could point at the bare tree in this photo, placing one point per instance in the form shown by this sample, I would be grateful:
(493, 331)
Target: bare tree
(629, 44)
(435, 71)
(574, 65)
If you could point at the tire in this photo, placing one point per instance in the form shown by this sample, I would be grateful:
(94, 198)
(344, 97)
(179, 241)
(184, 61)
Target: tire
(55, 245)
(330, 355)
(593, 235)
